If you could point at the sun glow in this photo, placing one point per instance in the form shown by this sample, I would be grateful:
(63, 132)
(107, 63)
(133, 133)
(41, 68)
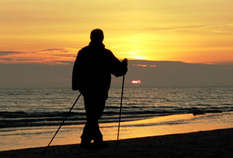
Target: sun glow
(136, 82)
(137, 56)
(141, 30)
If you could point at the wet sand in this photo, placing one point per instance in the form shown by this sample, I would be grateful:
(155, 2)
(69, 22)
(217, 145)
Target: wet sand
(35, 137)
(215, 143)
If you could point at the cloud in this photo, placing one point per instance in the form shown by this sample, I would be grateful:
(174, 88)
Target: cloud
(3, 53)
(221, 28)
(50, 55)
(64, 62)
(145, 65)
(54, 50)
(5, 59)
(175, 28)
(65, 55)
(166, 74)
(162, 28)
(59, 52)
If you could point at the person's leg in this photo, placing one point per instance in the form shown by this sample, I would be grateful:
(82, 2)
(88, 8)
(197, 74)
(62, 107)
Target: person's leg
(85, 137)
(98, 137)
(94, 107)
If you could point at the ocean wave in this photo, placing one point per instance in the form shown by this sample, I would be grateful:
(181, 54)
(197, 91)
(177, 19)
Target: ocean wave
(22, 114)
(25, 119)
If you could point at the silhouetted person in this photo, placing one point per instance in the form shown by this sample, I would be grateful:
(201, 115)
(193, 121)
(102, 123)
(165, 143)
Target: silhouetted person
(92, 77)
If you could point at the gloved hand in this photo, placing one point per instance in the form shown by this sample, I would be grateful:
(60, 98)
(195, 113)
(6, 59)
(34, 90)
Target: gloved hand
(125, 62)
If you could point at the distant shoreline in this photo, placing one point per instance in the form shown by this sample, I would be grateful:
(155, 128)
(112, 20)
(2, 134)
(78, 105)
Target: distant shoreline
(197, 144)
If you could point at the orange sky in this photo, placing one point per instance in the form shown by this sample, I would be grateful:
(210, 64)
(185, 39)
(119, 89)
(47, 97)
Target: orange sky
(43, 31)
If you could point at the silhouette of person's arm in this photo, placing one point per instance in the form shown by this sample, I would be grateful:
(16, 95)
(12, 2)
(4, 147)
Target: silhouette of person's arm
(118, 68)
(76, 83)
(75, 76)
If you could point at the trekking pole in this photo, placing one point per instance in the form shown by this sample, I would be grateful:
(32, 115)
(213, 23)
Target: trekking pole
(64, 120)
(119, 122)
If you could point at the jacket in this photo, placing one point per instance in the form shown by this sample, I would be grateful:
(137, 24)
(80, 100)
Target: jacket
(93, 68)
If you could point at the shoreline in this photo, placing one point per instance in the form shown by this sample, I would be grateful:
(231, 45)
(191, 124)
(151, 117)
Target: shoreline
(196, 144)
(20, 138)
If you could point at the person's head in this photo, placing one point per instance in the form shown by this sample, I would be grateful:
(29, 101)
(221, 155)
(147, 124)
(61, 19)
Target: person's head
(97, 36)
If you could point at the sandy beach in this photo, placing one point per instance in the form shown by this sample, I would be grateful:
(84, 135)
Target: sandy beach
(215, 143)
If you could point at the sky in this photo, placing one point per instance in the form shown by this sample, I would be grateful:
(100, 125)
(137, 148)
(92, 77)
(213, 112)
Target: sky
(52, 31)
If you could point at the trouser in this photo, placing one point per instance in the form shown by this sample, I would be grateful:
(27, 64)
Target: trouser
(94, 107)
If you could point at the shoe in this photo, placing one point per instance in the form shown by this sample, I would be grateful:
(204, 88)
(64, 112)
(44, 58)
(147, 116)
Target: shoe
(85, 143)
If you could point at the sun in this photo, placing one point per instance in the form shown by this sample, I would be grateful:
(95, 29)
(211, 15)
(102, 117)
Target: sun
(135, 55)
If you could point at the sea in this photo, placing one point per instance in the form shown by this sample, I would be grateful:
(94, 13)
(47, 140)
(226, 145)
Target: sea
(47, 107)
